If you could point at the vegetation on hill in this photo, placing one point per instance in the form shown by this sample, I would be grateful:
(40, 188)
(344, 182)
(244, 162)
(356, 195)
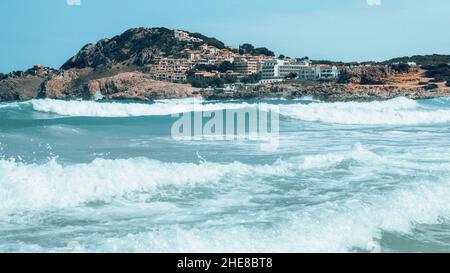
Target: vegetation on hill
(440, 72)
(339, 63)
(365, 75)
(209, 40)
(401, 68)
(204, 82)
(253, 78)
(222, 67)
(137, 46)
(422, 59)
(250, 49)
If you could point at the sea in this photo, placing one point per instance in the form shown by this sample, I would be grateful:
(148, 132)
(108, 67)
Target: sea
(109, 176)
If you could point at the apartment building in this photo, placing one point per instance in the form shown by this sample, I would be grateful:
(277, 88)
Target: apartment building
(288, 69)
(170, 69)
(281, 69)
(308, 73)
(270, 69)
(318, 72)
(328, 72)
(247, 66)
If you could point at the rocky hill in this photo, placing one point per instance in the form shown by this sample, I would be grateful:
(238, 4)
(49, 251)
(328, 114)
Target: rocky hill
(137, 46)
(107, 64)
(24, 85)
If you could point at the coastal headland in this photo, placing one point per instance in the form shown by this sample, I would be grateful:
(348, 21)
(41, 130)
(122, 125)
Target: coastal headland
(160, 63)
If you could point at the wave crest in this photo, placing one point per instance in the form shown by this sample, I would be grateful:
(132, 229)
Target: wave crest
(399, 111)
(117, 109)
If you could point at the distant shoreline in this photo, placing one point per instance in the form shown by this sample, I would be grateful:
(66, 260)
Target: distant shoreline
(160, 63)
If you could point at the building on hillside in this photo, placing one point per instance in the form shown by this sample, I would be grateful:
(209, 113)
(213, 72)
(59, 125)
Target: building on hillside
(170, 69)
(281, 69)
(309, 73)
(191, 55)
(293, 68)
(270, 69)
(207, 55)
(186, 37)
(318, 72)
(247, 66)
(206, 74)
(328, 72)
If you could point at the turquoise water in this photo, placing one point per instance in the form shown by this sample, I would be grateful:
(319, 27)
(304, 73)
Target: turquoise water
(108, 177)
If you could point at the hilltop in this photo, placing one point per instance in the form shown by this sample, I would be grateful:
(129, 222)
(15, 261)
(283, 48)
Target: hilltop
(137, 46)
(121, 63)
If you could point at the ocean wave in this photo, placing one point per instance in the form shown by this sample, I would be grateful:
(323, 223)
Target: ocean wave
(355, 220)
(38, 187)
(117, 109)
(358, 153)
(52, 185)
(9, 105)
(399, 111)
(346, 226)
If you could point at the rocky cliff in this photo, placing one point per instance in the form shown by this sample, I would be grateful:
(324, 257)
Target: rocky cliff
(113, 66)
(24, 85)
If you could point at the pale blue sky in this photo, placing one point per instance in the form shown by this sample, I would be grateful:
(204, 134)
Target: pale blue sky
(50, 31)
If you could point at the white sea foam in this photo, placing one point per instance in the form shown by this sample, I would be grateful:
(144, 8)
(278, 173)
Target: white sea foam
(358, 153)
(52, 185)
(9, 105)
(116, 109)
(355, 220)
(399, 111)
(331, 227)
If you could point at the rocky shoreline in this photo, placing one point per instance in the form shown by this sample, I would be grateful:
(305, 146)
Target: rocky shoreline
(42, 82)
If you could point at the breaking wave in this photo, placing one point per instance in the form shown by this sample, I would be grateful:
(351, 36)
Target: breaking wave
(338, 227)
(399, 111)
(117, 109)
(52, 185)
(352, 221)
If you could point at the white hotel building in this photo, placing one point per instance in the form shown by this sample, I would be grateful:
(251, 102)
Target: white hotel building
(277, 70)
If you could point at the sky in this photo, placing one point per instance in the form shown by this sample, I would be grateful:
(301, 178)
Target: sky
(49, 32)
